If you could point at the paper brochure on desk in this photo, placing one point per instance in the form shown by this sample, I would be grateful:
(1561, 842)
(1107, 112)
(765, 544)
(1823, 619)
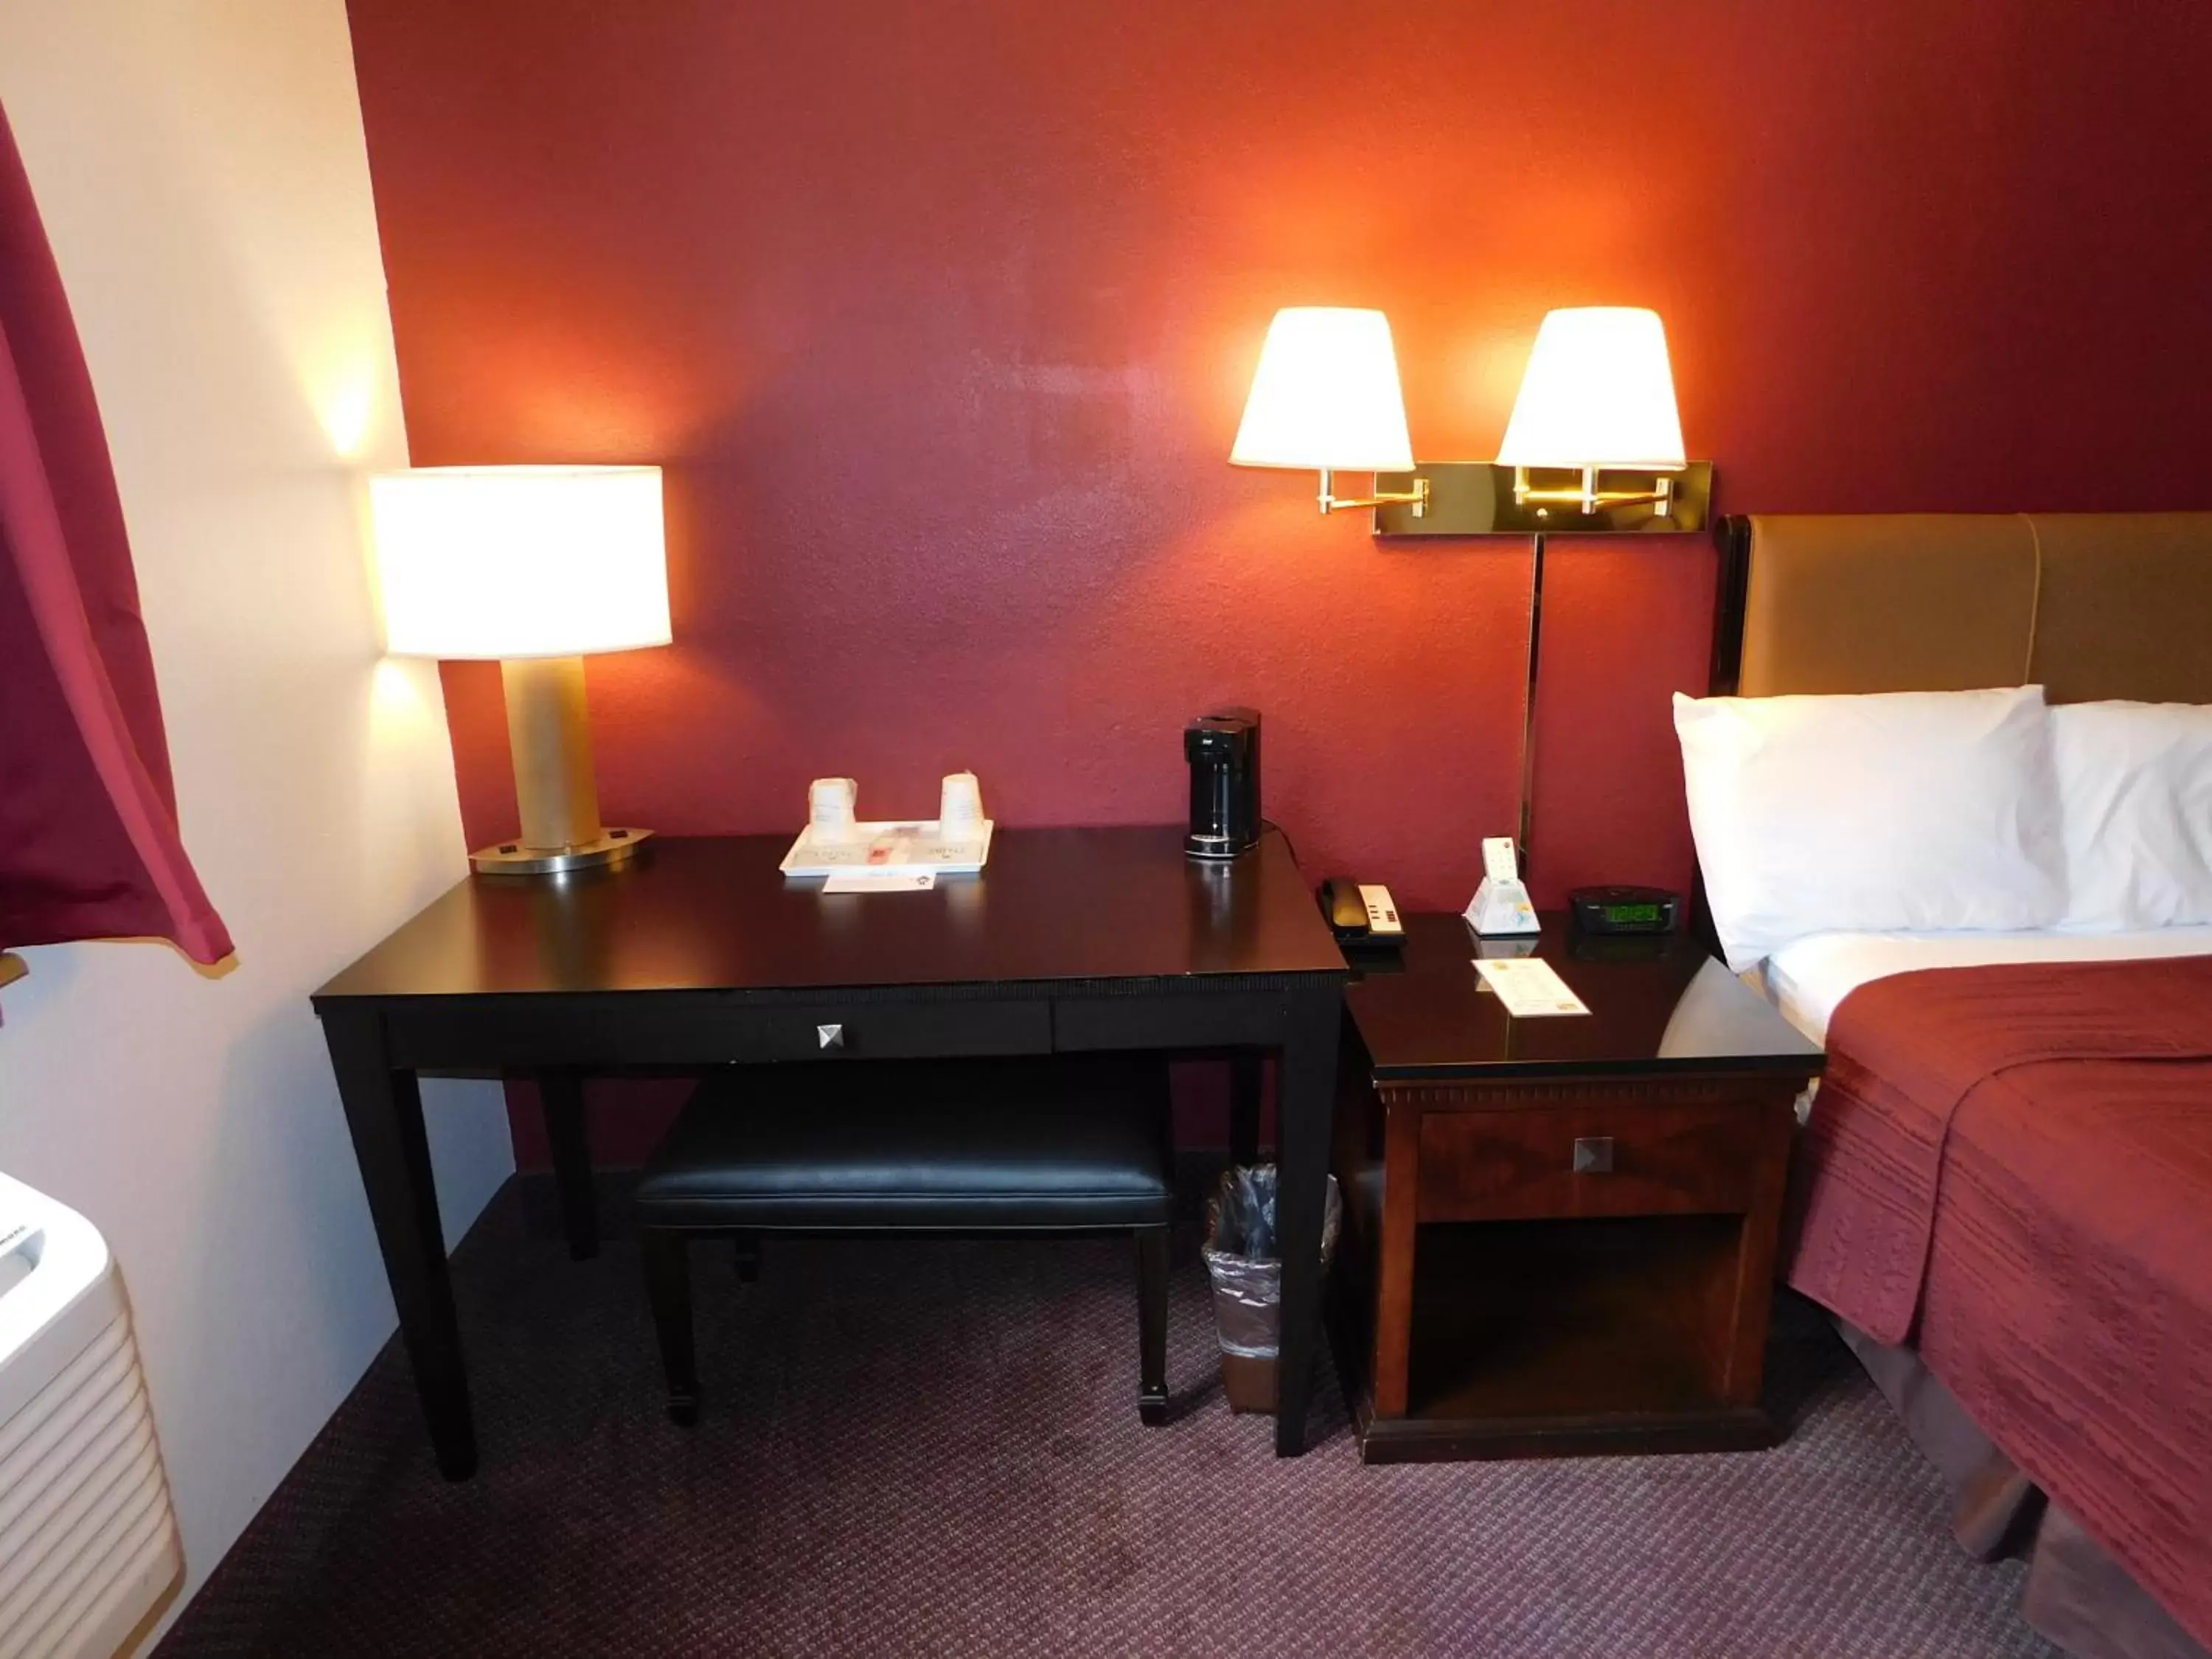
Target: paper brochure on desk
(1529, 987)
(881, 881)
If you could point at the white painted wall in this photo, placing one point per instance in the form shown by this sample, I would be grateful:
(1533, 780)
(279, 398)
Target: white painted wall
(201, 173)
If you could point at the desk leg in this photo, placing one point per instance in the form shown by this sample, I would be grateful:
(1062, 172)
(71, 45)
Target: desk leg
(1305, 1110)
(1245, 1072)
(561, 1093)
(384, 1110)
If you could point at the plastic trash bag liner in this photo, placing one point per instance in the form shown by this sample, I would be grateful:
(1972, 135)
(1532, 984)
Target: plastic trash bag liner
(1242, 1260)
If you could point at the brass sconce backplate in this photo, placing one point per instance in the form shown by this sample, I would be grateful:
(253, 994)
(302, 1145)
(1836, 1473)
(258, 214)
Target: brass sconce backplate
(1476, 498)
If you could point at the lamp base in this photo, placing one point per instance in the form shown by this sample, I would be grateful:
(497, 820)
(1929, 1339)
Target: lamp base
(514, 858)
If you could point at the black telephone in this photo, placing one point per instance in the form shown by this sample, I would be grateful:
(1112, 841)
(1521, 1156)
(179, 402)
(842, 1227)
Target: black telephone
(1361, 915)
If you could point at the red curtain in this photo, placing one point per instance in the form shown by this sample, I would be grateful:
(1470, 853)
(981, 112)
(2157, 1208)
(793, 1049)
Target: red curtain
(89, 841)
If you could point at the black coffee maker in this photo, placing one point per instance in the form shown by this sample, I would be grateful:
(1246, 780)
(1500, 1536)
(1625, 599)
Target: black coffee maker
(1224, 752)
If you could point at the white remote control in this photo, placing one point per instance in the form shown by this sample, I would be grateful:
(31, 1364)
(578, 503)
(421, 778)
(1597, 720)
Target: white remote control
(1499, 862)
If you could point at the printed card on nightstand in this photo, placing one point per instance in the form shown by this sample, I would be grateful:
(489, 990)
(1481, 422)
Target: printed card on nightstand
(1529, 987)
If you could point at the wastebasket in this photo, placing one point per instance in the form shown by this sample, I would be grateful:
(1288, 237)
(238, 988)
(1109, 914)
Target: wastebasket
(1247, 1270)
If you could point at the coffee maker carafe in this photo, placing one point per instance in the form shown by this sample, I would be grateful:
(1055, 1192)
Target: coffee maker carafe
(1224, 752)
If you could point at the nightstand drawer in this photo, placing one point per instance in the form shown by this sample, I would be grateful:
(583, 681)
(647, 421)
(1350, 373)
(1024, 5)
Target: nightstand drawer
(1603, 1160)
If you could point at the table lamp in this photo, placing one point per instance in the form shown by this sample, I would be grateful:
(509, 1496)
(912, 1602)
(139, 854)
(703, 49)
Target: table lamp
(531, 567)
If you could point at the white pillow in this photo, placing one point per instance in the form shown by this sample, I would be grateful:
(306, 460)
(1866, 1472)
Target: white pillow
(1921, 810)
(2135, 788)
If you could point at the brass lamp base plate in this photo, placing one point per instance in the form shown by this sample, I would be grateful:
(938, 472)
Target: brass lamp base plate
(1476, 498)
(513, 858)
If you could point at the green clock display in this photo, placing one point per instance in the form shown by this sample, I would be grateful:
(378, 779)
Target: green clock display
(1624, 909)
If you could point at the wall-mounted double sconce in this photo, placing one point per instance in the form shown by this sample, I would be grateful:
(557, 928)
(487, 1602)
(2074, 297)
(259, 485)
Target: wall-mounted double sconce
(1593, 446)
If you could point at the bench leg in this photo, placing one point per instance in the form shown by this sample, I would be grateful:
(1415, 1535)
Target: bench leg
(667, 1255)
(1152, 1325)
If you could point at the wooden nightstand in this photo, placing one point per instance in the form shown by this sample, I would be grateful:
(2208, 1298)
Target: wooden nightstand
(1559, 1233)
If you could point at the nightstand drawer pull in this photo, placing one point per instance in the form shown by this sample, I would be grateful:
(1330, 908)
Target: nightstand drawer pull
(830, 1036)
(1637, 1157)
(1594, 1155)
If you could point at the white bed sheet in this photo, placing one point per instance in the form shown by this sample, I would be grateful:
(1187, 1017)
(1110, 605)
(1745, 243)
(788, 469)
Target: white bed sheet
(1807, 978)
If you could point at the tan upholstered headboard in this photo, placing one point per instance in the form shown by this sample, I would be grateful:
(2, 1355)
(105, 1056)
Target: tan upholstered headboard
(2091, 605)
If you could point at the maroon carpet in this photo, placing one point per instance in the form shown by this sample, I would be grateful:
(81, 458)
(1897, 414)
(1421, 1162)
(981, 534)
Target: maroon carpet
(934, 1448)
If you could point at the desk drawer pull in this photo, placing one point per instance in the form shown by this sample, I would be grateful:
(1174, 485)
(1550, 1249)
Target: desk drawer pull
(834, 1033)
(1594, 1155)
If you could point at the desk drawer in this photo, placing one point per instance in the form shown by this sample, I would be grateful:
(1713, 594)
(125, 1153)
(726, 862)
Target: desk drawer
(1513, 1166)
(903, 1030)
(705, 1030)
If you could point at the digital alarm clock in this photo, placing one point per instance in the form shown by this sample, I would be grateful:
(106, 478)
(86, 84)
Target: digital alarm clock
(1624, 909)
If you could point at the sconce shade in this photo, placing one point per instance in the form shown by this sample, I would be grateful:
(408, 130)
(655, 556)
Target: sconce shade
(1325, 395)
(1598, 392)
(514, 561)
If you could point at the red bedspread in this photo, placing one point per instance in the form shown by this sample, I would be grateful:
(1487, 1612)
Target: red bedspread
(2011, 1167)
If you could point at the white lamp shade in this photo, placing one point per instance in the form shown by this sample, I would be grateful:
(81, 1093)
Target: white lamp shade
(1325, 395)
(502, 562)
(1599, 391)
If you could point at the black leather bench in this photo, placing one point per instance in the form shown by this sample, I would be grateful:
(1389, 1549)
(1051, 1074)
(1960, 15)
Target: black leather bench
(947, 1147)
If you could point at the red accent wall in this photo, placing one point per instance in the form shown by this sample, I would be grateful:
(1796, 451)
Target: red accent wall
(941, 317)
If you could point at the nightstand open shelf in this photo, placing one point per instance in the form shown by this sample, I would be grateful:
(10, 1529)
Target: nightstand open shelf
(1565, 1321)
(1560, 1235)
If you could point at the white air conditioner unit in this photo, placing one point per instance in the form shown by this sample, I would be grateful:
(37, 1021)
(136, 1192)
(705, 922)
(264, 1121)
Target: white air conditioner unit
(88, 1541)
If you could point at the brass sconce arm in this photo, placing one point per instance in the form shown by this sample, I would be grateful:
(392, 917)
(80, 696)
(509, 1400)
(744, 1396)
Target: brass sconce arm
(1417, 498)
(1482, 498)
(1589, 499)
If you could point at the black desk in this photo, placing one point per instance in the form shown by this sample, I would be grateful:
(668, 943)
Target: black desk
(702, 954)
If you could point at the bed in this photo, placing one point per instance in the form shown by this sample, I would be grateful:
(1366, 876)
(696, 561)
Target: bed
(2004, 1187)
(1809, 978)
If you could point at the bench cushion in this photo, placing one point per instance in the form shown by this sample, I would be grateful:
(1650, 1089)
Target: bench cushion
(963, 1146)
